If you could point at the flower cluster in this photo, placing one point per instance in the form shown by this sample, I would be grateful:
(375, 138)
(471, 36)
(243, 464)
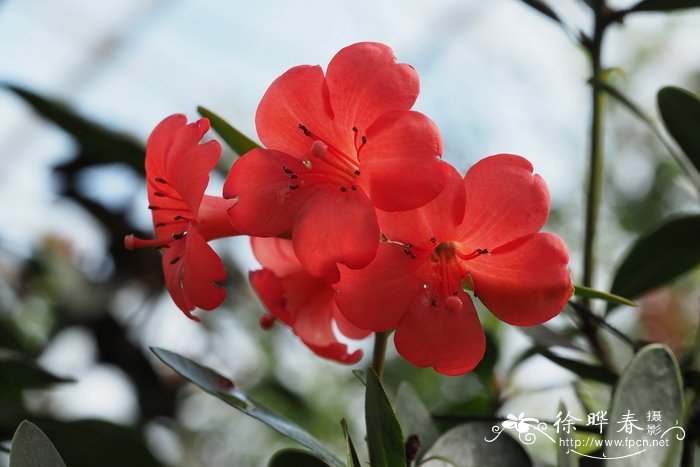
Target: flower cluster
(359, 224)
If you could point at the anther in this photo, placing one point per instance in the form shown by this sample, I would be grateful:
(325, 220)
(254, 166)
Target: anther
(482, 252)
(306, 163)
(343, 189)
(287, 170)
(319, 149)
(158, 194)
(354, 188)
(178, 218)
(153, 208)
(354, 129)
(293, 176)
(433, 240)
(293, 186)
(160, 224)
(357, 171)
(160, 180)
(433, 302)
(178, 236)
(364, 139)
(175, 260)
(304, 129)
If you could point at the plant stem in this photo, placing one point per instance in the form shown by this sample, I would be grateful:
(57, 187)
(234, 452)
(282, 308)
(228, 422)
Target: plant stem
(595, 176)
(379, 352)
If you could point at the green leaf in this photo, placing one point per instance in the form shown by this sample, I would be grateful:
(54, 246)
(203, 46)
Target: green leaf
(665, 5)
(565, 458)
(468, 445)
(658, 257)
(384, 437)
(223, 388)
(582, 369)
(353, 460)
(239, 142)
(587, 292)
(415, 418)
(680, 111)
(651, 382)
(105, 146)
(19, 375)
(295, 457)
(546, 337)
(543, 8)
(32, 448)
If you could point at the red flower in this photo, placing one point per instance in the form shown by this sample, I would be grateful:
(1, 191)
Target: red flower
(339, 146)
(184, 218)
(481, 233)
(300, 300)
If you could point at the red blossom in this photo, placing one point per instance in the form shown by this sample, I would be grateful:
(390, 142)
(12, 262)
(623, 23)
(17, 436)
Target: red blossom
(300, 300)
(184, 218)
(480, 233)
(339, 146)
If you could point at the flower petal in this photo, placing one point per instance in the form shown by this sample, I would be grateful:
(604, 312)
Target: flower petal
(270, 290)
(401, 161)
(452, 342)
(311, 304)
(377, 296)
(192, 269)
(267, 205)
(364, 81)
(526, 281)
(505, 201)
(432, 223)
(335, 226)
(276, 254)
(298, 97)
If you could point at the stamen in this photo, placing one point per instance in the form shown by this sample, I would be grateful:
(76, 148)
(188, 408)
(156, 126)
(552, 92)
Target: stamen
(357, 171)
(160, 180)
(433, 240)
(343, 189)
(474, 254)
(293, 186)
(354, 188)
(175, 260)
(131, 242)
(306, 163)
(287, 170)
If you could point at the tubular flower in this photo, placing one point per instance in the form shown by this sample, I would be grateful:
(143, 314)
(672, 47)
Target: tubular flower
(339, 146)
(301, 301)
(184, 218)
(481, 234)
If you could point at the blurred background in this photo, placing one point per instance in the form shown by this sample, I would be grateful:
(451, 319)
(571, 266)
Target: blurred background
(83, 83)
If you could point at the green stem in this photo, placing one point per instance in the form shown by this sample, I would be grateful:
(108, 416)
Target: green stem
(379, 352)
(595, 176)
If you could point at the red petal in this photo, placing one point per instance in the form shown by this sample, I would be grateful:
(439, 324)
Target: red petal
(276, 254)
(400, 163)
(267, 206)
(348, 329)
(364, 81)
(377, 296)
(335, 227)
(191, 269)
(298, 97)
(271, 292)
(524, 282)
(437, 219)
(505, 201)
(452, 342)
(173, 154)
(310, 302)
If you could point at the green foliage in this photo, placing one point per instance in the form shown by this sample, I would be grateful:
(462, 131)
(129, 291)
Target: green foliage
(665, 5)
(658, 257)
(32, 448)
(353, 460)
(466, 445)
(651, 381)
(19, 374)
(587, 292)
(414, 416)
(295, 457)
(236, 140)
(384, 437)
(680, 111)
(223, 388)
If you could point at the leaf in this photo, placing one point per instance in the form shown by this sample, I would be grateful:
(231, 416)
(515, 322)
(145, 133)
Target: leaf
(587, 292)
(104, 146)
(651, 382)
(19, 375)
(544, 336)
(384, 437)
(664, 5)
(223, 388)
(582, 369)
(565, 458)
(414, 417)
(32, 448)
(236, 140)
(353, 460)
(658, 257)
(543, 8)
(294, 457)
(680, 111)
(467, 445)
